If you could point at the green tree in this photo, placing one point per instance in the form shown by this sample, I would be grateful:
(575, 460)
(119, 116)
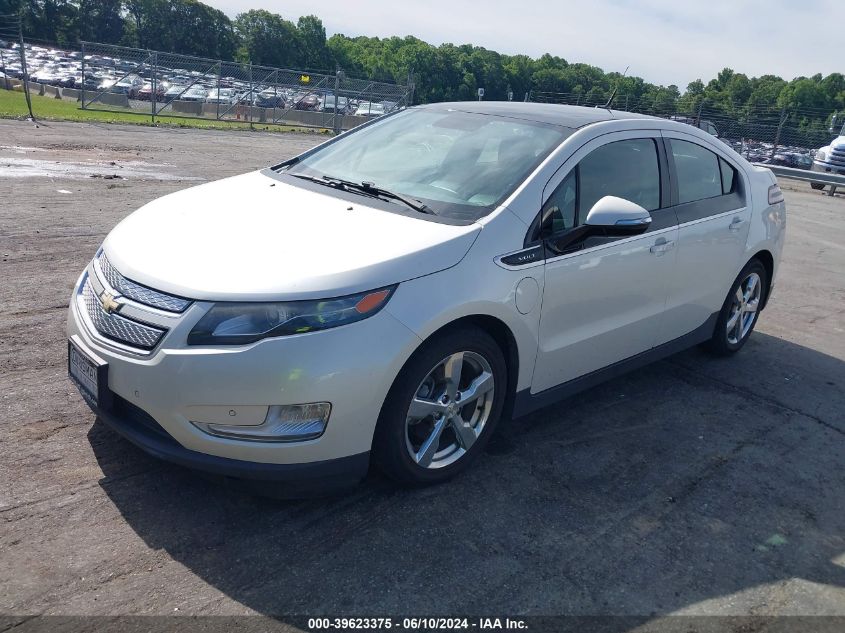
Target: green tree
(48, 20)
(101, 21)
(198, 29)
(151, 24)
(312, 42)
(803, 94)
(267, 39)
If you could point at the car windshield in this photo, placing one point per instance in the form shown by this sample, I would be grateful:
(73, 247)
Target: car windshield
(459, 164)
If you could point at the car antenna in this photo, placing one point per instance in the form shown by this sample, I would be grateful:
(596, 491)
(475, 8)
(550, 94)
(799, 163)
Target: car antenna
(615, 88)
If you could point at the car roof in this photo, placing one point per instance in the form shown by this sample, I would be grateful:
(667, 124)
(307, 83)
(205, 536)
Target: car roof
(569, 116)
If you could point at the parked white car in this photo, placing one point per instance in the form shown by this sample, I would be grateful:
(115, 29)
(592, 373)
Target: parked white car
(391, 294)
(830, 159)
(130, 85)
(193, 93)
(369, 109)
(225, 96)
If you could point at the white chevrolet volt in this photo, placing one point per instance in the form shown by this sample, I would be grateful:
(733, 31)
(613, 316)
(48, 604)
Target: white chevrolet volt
(390, 295)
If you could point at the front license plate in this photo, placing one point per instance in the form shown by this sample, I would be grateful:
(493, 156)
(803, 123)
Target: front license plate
(85, 372)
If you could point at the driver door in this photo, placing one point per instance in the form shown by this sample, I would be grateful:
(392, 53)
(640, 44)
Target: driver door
(604, 294)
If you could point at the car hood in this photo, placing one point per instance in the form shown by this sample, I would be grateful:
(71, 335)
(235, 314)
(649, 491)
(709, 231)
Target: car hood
(252, 238)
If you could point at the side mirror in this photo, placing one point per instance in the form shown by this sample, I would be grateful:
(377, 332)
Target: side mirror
(618, 215)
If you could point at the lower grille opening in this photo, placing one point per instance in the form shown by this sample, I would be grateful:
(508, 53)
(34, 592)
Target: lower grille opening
(140, 419)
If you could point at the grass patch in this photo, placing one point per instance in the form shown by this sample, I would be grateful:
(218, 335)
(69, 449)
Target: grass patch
(13, 106)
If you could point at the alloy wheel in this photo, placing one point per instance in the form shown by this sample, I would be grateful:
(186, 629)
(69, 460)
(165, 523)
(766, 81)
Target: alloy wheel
(449, 410)
(744, 308)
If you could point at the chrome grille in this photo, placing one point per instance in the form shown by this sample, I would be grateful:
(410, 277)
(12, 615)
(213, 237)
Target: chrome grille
(119, 328)
(137, 292)
(837, 156)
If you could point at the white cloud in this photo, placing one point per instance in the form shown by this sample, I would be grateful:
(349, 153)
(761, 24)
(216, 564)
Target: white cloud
(663, 41)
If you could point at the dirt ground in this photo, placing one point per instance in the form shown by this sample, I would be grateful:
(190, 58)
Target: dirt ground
(696, 485)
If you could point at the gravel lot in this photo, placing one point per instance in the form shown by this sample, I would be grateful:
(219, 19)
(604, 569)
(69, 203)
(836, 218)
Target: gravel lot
(695, 485)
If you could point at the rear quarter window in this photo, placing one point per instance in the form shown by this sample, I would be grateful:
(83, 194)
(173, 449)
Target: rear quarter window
(698, 172)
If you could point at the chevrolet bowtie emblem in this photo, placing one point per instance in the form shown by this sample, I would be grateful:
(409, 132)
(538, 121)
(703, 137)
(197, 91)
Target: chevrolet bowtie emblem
(108, 303)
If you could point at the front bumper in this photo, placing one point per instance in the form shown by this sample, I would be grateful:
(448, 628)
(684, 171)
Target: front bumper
(828, 168)
(352, 367)
(137, 426)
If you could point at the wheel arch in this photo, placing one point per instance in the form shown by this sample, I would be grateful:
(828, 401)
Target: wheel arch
(501, 333)
(388, 435)
(504, 337)
(766, 258)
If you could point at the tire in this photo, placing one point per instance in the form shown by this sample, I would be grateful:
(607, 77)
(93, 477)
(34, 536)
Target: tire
(817, 185)
(732, 333)
(407, 445)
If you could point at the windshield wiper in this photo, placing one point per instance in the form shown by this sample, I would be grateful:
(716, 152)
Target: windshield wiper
(368, 189)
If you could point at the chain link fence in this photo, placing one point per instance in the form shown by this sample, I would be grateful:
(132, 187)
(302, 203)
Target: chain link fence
(153, 83)
(760, 132)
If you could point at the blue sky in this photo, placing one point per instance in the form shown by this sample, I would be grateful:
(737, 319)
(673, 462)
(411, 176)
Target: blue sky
(663, 41)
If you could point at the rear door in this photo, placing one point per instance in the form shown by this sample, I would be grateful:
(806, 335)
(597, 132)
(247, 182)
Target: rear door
(603, 298)
(710, 198)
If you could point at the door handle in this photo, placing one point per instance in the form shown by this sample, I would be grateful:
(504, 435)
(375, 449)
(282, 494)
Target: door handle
(662, 246)
(736, 224)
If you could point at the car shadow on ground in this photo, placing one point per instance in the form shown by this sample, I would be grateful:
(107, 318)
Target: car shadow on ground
(691, 480)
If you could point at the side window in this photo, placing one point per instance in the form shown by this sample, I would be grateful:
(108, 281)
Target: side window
(728, 176)
(626, 169)
(699, 175)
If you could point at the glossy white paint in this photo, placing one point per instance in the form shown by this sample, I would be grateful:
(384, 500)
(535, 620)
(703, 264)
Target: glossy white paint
(600, 307)
(255, 238)
(527, 295)
(352, 367)
(427, 304)
(710, 254)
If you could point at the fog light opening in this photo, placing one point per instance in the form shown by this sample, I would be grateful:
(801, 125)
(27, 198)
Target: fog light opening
(283, 423)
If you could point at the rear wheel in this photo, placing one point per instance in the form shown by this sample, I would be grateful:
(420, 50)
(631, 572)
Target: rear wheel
(741, 309)
(442, 409)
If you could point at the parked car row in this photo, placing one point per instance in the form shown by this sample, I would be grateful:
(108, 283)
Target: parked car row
(139, 81)
(796, 160)
(769, 154)
(756, 151)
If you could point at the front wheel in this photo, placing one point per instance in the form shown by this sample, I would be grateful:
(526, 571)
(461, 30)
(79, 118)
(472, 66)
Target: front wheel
(442, 409)
(817, 185)
(741, 309)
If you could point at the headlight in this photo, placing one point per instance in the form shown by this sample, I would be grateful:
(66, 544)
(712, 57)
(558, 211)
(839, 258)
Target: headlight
(820, 156)
(241, 323)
